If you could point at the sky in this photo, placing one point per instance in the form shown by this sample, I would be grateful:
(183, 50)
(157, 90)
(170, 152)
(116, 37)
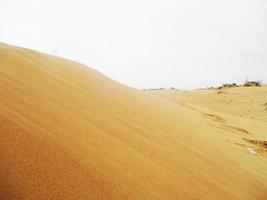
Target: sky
(185, 44)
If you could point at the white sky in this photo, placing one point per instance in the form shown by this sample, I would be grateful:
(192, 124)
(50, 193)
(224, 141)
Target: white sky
(147, 43)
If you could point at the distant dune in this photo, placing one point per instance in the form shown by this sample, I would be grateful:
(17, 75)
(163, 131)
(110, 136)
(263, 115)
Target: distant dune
(69, 132)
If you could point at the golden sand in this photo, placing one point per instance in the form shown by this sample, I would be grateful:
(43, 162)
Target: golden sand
(69, 132)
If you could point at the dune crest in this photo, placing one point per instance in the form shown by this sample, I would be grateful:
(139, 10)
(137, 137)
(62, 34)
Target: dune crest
(69, 132)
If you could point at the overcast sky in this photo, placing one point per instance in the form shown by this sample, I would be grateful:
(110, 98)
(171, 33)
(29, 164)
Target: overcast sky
(147, 43)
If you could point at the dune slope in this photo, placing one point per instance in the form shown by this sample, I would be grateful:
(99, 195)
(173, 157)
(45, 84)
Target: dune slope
(235, 118)
(69, 132)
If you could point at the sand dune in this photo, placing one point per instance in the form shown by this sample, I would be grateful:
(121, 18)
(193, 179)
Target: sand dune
(69, 132)
(235, 116)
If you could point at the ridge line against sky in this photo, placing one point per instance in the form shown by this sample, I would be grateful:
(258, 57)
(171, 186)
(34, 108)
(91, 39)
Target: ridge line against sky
(147, 44)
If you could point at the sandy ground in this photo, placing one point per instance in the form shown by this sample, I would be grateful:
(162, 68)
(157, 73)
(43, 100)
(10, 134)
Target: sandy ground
(237, 116)
(69, 132)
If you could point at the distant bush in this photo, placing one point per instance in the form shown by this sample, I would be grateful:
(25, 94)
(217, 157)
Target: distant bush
(252, 84)
(227, 85)
(210, 88)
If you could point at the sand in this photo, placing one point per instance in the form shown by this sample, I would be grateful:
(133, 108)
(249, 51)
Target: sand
(69, 132)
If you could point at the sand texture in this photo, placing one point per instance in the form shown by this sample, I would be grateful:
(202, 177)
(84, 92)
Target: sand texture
(69, 132)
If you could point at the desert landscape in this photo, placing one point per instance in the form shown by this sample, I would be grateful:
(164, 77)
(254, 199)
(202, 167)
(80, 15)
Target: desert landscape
(69, 132)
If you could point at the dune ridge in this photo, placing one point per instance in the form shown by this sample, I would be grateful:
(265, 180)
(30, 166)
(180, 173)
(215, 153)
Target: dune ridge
(69, 132)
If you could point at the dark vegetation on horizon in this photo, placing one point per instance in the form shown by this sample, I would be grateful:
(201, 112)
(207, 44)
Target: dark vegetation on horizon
(224, 86)
(246, 84)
